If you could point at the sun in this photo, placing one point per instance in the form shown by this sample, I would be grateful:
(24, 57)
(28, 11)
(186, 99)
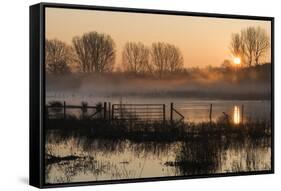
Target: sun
(236, 60)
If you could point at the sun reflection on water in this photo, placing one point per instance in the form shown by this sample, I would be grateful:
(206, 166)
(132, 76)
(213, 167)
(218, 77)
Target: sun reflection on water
(236, 115)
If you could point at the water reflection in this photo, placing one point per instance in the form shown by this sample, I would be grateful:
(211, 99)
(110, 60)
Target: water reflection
(103, 159)
(236, 115)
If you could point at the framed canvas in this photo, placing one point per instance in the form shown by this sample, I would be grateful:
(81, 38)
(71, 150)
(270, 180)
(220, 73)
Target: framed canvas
(130, 95)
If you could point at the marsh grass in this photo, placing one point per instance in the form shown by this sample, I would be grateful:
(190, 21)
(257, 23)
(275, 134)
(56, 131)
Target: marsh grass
(158, 130)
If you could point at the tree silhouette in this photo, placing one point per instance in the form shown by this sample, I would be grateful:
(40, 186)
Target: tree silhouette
(95, 52)
(58, 57)
(249, 39)
(175, 59)
(262, 44)
(166, 58)
(237, 47)
(250, 45)
(135, 58)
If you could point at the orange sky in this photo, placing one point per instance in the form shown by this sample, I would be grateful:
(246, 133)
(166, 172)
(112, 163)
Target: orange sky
(202, 41)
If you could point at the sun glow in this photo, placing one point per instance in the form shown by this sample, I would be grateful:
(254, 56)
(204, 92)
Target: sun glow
(236, 60)
(236, 115)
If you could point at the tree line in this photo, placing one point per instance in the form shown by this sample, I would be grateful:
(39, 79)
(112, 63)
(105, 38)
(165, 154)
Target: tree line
(96, 52)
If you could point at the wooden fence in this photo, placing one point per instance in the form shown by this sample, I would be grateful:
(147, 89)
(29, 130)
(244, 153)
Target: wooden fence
(138, 112)
(122, 112)
(60, 111)
(127, 112)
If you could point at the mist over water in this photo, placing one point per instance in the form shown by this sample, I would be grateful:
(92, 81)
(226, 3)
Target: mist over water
(180, 87)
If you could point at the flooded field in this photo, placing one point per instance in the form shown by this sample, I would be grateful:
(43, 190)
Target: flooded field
(74, 157)
(101, 159)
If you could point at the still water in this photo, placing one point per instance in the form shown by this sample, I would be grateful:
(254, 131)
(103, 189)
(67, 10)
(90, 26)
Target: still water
(101, 159)
(193, 110)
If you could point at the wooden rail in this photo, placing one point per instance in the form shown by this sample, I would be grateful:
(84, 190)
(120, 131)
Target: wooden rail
(64, 107)
(125, 112)
(172, 110)
(138, 112)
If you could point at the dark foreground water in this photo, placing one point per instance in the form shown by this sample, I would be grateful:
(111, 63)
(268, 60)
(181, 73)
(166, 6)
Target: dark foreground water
(99, 159)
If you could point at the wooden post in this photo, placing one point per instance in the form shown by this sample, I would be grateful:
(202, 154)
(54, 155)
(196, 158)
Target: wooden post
(83, 112)
(64, 112)
(171, 111)
(210, 114)
(109, 110)
(242, 114)
(112, 111)
(104, 110)
(164, 112)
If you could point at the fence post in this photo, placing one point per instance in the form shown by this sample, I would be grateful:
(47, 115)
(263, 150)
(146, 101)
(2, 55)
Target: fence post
(64, 112)
(112, 111)
(104, 110)
(242, 114)
(210, 114)
(164, 112)
(109, 112)
(171, 111)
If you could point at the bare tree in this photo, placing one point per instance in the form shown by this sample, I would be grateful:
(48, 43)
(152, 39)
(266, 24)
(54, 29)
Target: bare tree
(166, 58)
(235, 44)
(175, 59)
(158, 57)
(262, 44)
(249, 41)
(95, 52)
(58, 57)
(250, 45)
(136, 58)
(82, 54)
(237, 47)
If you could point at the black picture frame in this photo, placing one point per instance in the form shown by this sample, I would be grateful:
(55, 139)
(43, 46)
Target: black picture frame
(37, 92)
